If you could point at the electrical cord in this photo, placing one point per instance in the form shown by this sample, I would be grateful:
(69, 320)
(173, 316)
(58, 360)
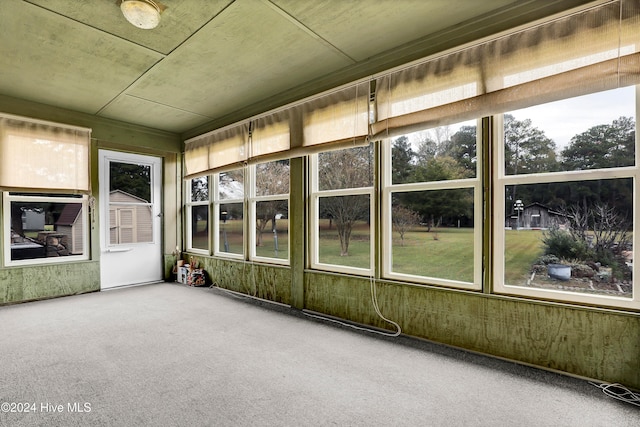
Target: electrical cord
(619, 392)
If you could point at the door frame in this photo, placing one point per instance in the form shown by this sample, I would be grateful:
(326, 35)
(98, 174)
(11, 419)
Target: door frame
(135, 263)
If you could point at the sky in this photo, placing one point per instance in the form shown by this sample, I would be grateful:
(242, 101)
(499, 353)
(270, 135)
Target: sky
(561, 120)
(564, 119)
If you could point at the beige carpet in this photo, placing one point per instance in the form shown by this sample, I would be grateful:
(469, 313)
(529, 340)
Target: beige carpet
(170, 355)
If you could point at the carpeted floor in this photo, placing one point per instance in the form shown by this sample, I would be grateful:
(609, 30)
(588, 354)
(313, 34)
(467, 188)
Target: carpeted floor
(171, 355)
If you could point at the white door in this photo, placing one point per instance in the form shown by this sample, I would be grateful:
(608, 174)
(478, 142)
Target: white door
(130, 219)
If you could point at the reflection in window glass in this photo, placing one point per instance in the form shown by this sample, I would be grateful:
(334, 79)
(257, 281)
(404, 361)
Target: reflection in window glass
(572, 236)
(272, 229)
(433, 234)
(132, 179)
(47, 229)
(231, 228)
(567, 136)
(200, 189)
(344, 231)
(200, 227)
(231, 185)
(130, 218)
(272, 178)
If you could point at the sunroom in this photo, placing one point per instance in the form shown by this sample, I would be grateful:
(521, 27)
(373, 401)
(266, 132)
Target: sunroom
(412, 167)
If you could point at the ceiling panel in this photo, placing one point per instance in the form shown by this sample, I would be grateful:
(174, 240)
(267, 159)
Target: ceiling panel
(212, 62)
(51, 59)
(135, 110)
(248, 53)
(179, 20)
(364, 28)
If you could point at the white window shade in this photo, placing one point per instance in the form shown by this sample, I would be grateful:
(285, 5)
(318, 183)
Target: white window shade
(336, 118)
(216, 150)
(592, 50)
(270, 136)
(43, 155)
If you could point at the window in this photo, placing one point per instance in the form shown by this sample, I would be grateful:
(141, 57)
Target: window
(270, 211)
(432, 206)
(45, 228)
(342, 209)
(229, 209)
(565, 215)
(197, 214)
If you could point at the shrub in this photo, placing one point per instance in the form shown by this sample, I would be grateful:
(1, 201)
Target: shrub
(565, 245)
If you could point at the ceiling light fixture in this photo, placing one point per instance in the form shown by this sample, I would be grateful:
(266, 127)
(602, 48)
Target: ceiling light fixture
(143, 14)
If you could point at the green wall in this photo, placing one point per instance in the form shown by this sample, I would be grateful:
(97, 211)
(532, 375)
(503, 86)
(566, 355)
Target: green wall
(19, 284)
(587, 342)
(33, 282)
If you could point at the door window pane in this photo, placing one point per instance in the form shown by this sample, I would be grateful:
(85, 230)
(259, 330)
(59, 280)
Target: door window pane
(130, 209)
(132, 179)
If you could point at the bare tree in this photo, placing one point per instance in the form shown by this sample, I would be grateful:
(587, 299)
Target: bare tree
(403, 219)
(271, 179)
(343, 169)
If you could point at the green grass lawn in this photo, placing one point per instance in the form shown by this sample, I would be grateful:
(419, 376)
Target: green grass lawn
(359, 246)
(446, 253)
(522, 248)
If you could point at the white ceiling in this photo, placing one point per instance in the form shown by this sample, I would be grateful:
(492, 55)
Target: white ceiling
(211, 62)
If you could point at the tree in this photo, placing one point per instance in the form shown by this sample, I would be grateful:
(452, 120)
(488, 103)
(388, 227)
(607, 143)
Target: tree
(602, 146)
(403, 219)
(463, 148)
(402, 157)
(438, 204)
(527, 148)
(272, 179)
(343, 169)
(131, 178)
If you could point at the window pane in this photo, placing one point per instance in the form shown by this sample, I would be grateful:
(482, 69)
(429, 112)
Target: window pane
(572, 236)
(433, 234)
(442, 153)
(46, 229)
(272, 178)
(131, 179)
(583, 133)
(344, 231)
(130, 223)
(349, 168)
(231, 185)
(272, 229)
(200, 227)
(200, 189)
(231, 228)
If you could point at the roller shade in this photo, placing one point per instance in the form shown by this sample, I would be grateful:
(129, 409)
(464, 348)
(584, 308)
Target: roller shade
(270, 137)
(595, 49)
(338, 117)
(330, 121)
(225, 148)
(45, 156)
